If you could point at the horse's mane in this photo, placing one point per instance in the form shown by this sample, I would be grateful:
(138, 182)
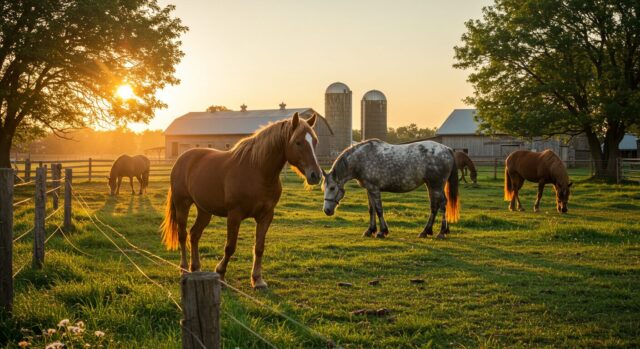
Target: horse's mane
(556, 166)
(340, 165)
(263, 143)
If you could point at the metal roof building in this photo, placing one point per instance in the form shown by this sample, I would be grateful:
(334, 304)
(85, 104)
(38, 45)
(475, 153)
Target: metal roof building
(222, 129)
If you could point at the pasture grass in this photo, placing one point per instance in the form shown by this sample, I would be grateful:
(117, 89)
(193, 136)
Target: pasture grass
(500, 279)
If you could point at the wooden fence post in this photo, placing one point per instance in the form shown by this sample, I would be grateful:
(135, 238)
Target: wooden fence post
(68, 225)
(90, 169)
(495, 168)
(201, 310)
(27, 169)
(6, 239)
(56, 170)
(39, 214)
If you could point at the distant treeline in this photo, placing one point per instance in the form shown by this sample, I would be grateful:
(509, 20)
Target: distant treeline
(402, 134)
(91, 142)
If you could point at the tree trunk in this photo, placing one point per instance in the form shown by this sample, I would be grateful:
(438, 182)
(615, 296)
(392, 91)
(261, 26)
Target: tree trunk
(596, 154)
(612, 151)
(5, 150)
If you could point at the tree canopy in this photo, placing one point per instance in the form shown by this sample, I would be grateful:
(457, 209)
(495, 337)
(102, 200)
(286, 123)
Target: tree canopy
(63, 61)
(548, 67)
(215, 108)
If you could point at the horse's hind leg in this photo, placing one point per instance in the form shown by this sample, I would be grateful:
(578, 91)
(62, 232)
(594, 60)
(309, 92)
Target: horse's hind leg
(262, 227)
(372, 216)
(435, 203)
(182, 214)
(202, 220)
(518, 186)
(536, 206)
(233, 225)
(444, 227)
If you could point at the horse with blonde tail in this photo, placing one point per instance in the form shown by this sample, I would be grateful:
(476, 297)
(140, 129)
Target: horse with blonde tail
(241, 183)
(401, 168)
(542, 168)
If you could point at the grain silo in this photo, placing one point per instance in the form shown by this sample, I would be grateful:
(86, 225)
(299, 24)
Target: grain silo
(373, 120)
(337, 111)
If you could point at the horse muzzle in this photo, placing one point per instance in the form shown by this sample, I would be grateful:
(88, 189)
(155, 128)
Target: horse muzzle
(313, 176)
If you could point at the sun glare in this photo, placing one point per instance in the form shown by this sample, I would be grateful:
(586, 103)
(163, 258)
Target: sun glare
(125, 92)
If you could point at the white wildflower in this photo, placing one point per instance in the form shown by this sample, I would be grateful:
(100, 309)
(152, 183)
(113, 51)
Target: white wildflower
(23, 344)
(51, 331)
(80, 324)
(63, 323)
(55, 345)
(75, 330)
(99, 334)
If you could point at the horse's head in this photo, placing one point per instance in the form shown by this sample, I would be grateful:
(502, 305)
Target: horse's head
(562, 196)
(300, 149)
(112, 185)
(474, 177)
(333, 192)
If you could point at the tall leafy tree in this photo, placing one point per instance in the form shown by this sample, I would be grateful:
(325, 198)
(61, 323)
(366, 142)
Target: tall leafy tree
(63, 61)
(547, 67)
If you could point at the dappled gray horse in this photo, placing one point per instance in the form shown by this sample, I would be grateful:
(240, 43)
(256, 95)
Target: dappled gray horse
(379, 166)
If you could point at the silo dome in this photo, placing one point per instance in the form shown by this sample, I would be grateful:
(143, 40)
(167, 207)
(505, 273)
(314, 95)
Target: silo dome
(374, 95)
(338, 87)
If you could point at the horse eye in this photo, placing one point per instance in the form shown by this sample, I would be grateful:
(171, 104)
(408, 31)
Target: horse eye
(298, 143)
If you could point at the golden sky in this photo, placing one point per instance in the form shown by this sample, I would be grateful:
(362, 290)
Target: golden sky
(264, 52)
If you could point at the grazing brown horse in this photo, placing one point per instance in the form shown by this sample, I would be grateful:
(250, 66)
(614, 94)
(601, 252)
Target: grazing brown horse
(463, 162)
(129, 166)
(241, 183)
(542, 168)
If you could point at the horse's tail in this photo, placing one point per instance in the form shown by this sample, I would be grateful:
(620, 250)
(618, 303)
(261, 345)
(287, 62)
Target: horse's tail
(169, 226)
(451, 192)
(508, 187)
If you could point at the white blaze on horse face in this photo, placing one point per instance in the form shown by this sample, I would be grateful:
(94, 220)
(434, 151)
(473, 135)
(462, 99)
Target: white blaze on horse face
(309, 139)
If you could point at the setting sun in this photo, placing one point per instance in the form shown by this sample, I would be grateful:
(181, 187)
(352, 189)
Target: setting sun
(125, 92)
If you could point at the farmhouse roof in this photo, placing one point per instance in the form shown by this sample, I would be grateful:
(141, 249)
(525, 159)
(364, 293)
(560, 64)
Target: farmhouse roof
(459, 122)
(628, 142)
(233, 122)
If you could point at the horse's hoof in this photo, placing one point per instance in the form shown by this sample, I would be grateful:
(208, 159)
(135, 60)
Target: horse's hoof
(521, 209)
(441, 236)
(367, 233)
(381, 235)
(258, 284)
(535, 209)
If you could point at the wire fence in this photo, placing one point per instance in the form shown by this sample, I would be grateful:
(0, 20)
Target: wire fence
(100, 226)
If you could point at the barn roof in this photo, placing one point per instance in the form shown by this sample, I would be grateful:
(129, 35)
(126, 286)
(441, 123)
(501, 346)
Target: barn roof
(232, 122)
(459, 122)
(629, 142)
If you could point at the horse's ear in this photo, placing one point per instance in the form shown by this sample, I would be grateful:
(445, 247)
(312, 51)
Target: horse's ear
(294, 121)
(324, 173)
(312, 120)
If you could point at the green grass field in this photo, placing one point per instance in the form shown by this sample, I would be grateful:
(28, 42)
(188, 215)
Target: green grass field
(500, 279)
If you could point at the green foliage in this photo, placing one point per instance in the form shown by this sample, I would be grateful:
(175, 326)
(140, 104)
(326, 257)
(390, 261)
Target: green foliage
(215, 108)
(501, 279)
(402, 134)
(63, 60)
(550, 67)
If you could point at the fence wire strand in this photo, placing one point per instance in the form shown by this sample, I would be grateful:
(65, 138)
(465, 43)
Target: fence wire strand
(246, 327)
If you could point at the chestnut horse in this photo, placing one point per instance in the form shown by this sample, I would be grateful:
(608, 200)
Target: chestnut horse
(129, 166)
(542, 168)
(241, 183)
(463, 162)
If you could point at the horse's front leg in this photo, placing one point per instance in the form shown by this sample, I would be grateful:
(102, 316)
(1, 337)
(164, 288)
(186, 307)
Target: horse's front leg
(536, 206)
(464, 172)
(202, 220)
(233, 225)
(377, 201)
(133, 192)
(119, 184)
(372, 216)
(262, 226)
(140, 181)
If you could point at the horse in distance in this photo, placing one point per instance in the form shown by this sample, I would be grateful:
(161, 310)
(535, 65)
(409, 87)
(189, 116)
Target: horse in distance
(542, 168)
(381, 167)
(464, 162)
(241, 183)
(129, 166)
